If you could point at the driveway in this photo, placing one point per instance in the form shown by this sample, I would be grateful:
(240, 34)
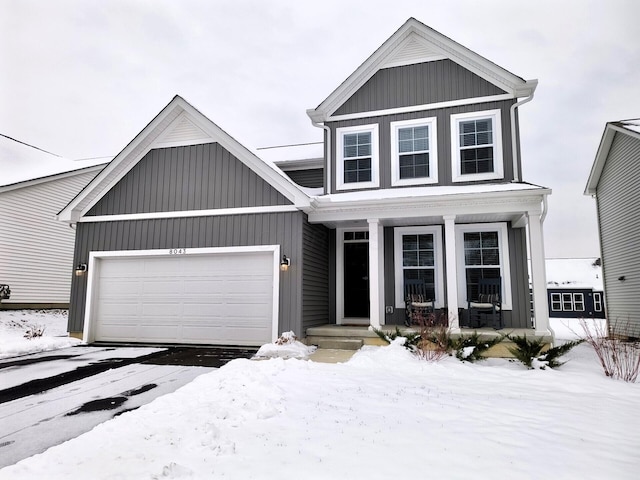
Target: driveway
(51, 397)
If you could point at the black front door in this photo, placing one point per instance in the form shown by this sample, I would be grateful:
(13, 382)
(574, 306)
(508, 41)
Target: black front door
(356, 280)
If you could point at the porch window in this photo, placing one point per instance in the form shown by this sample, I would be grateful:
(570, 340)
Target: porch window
(357, 159)
(476, 146)
(483, 253)
(597, 301)
(418, 256)
(556, 302)
(414, 152)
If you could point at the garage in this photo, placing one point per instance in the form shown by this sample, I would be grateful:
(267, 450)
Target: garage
(218, 296)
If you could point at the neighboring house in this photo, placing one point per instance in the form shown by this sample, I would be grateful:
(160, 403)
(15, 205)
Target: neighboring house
(614, 181)
(182, 236)
(575, 288)
(303, 163)
(37, 251)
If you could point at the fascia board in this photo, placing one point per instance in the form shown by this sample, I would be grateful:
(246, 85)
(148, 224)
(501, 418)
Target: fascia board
(450, 49)
(601, 158)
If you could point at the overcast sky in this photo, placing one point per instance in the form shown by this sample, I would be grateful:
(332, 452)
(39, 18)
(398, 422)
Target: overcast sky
(82, 78)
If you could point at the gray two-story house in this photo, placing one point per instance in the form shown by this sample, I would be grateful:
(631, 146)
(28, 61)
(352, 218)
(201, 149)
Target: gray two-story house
(188, 237)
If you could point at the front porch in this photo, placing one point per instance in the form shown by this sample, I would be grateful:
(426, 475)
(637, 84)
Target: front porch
(353, 338)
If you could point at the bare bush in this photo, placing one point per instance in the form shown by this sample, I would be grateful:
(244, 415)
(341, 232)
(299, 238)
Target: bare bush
(620, 358)
(33, 331)
(435, 338)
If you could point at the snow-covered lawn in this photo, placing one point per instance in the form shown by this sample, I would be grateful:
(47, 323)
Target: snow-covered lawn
(384, 414)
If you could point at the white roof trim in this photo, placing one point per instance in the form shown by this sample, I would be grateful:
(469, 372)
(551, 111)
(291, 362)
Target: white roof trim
(160, 132)
(425, 44)
(609, 133)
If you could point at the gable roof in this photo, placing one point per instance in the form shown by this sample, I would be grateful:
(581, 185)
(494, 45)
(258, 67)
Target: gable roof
(626, 127)
(414, 42)
(179, 123)
(50, 178)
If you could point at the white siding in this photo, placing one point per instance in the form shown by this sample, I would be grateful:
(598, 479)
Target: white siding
(36, 254)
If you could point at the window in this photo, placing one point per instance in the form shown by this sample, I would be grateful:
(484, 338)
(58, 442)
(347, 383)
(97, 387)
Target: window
(476, 143)
(357, 159)
(484, 253)
(578, 302)
(556, 302)
(597, 301)
(418, 255)
(414, 158)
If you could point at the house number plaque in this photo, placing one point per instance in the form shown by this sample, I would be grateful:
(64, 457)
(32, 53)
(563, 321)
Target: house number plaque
(177, 251)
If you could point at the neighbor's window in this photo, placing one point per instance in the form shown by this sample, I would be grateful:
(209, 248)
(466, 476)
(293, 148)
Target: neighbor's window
(578, 302)
(597, 301)
(556, 302)
(357, 157)
(414, 152)
(476, 146)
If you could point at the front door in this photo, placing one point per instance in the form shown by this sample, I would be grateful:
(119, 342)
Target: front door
(356, 279)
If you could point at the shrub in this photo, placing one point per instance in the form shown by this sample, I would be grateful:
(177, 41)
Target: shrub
(529, 352)
(620, 358)
(435, 338)
(33, 331)
(412, 337)
(471, 348)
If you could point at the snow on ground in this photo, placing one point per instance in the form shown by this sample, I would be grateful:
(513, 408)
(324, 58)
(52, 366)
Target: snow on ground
(383, 414)
(15, 324)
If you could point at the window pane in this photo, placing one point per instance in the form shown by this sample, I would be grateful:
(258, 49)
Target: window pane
(364, 150)
(489, 239)
(471, 240)
(490, 256)
(473, 257)
(420, 144)
(414, 166)
(410, 259)
(405, 146)
(409, 242)
(421, 132)
(350, 139)
(405, 134)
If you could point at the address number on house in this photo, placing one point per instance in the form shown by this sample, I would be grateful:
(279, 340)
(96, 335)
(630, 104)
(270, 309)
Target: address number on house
(177, 251)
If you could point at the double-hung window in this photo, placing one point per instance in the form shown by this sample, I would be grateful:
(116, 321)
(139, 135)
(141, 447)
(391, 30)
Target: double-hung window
(414, 157)
(556, 302)
(418, 256)
(485, 255)
(357, 159)
(476, 146)
(597, 301)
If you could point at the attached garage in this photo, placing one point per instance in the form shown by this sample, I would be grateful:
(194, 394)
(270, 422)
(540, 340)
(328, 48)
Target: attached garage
(219, 296)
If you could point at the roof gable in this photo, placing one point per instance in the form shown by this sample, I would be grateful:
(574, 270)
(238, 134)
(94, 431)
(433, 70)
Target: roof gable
(625, 127)
(414, 42)
(179, 123)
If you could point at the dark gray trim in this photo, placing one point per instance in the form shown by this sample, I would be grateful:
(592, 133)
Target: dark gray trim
(315, 275)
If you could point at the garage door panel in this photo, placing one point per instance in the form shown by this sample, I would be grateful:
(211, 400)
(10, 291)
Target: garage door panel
(217, 298)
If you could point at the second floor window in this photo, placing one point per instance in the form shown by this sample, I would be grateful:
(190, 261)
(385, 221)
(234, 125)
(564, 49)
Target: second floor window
(414, 152)
(476, 146)
(357, 162)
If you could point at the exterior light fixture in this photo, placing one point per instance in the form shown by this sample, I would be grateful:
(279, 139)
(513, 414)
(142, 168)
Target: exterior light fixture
(622, 278)
(81, 269)
(284, 263)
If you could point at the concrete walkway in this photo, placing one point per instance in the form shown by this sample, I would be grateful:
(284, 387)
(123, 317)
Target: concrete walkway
(330, 355)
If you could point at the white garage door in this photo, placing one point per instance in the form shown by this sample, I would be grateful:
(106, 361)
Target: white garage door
(222, 299)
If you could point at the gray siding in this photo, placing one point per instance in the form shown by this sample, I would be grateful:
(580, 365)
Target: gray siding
(618, 203)
(312, 177)
(417, 84)
(284, 229)
(443, 125)
(315, 276)
(196, 177)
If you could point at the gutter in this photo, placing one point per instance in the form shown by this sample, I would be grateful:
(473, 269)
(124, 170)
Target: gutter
(327, 173)
(514, 144)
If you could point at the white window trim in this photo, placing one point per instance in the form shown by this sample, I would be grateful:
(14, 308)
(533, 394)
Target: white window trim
(498, 162)
(436, 230)
(505, 268)
(375, 177)
(577, 296)
(556, 298)
(568, 295)
(433, 152)
(340, 318)
(597, 304)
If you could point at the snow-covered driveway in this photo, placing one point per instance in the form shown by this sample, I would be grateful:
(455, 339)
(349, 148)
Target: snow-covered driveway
(34, 422)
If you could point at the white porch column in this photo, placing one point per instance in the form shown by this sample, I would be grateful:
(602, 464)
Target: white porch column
(538, 274)
(452, 270)
(376, 273)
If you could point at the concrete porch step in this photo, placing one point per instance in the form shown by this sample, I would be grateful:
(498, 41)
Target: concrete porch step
(334, 343)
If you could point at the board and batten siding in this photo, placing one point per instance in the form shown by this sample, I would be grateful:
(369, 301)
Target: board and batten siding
(315, 276)
(284, 229)
(618, 204)
(417, 84)
(194, 177)
(36, 254)
(443, 126)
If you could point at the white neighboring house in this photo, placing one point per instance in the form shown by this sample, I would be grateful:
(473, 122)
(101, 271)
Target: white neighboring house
(36, 258)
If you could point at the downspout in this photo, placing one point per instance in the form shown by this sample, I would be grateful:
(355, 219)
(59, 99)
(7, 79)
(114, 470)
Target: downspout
(327, 185)
(514, 144)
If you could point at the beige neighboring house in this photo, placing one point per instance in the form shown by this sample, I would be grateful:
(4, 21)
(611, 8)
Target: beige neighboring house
(36, 257)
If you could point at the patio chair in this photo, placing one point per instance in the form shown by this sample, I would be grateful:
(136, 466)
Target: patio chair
(486, 309)
(418, 306)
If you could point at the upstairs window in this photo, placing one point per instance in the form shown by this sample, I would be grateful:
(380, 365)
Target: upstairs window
(414, 158)
(476, 146)
(357, 159)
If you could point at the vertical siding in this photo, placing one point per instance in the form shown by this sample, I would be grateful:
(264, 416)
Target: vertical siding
(195, 177)
(284, 229)
(312, 178)
(618, 201)
(521, 313)
(36, 257)
(315, 276)
(417, 84)
(443, 125)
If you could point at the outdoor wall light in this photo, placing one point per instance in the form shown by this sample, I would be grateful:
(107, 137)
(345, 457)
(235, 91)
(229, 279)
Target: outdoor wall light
(284, 263)
(81, 269)
(622, 278)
